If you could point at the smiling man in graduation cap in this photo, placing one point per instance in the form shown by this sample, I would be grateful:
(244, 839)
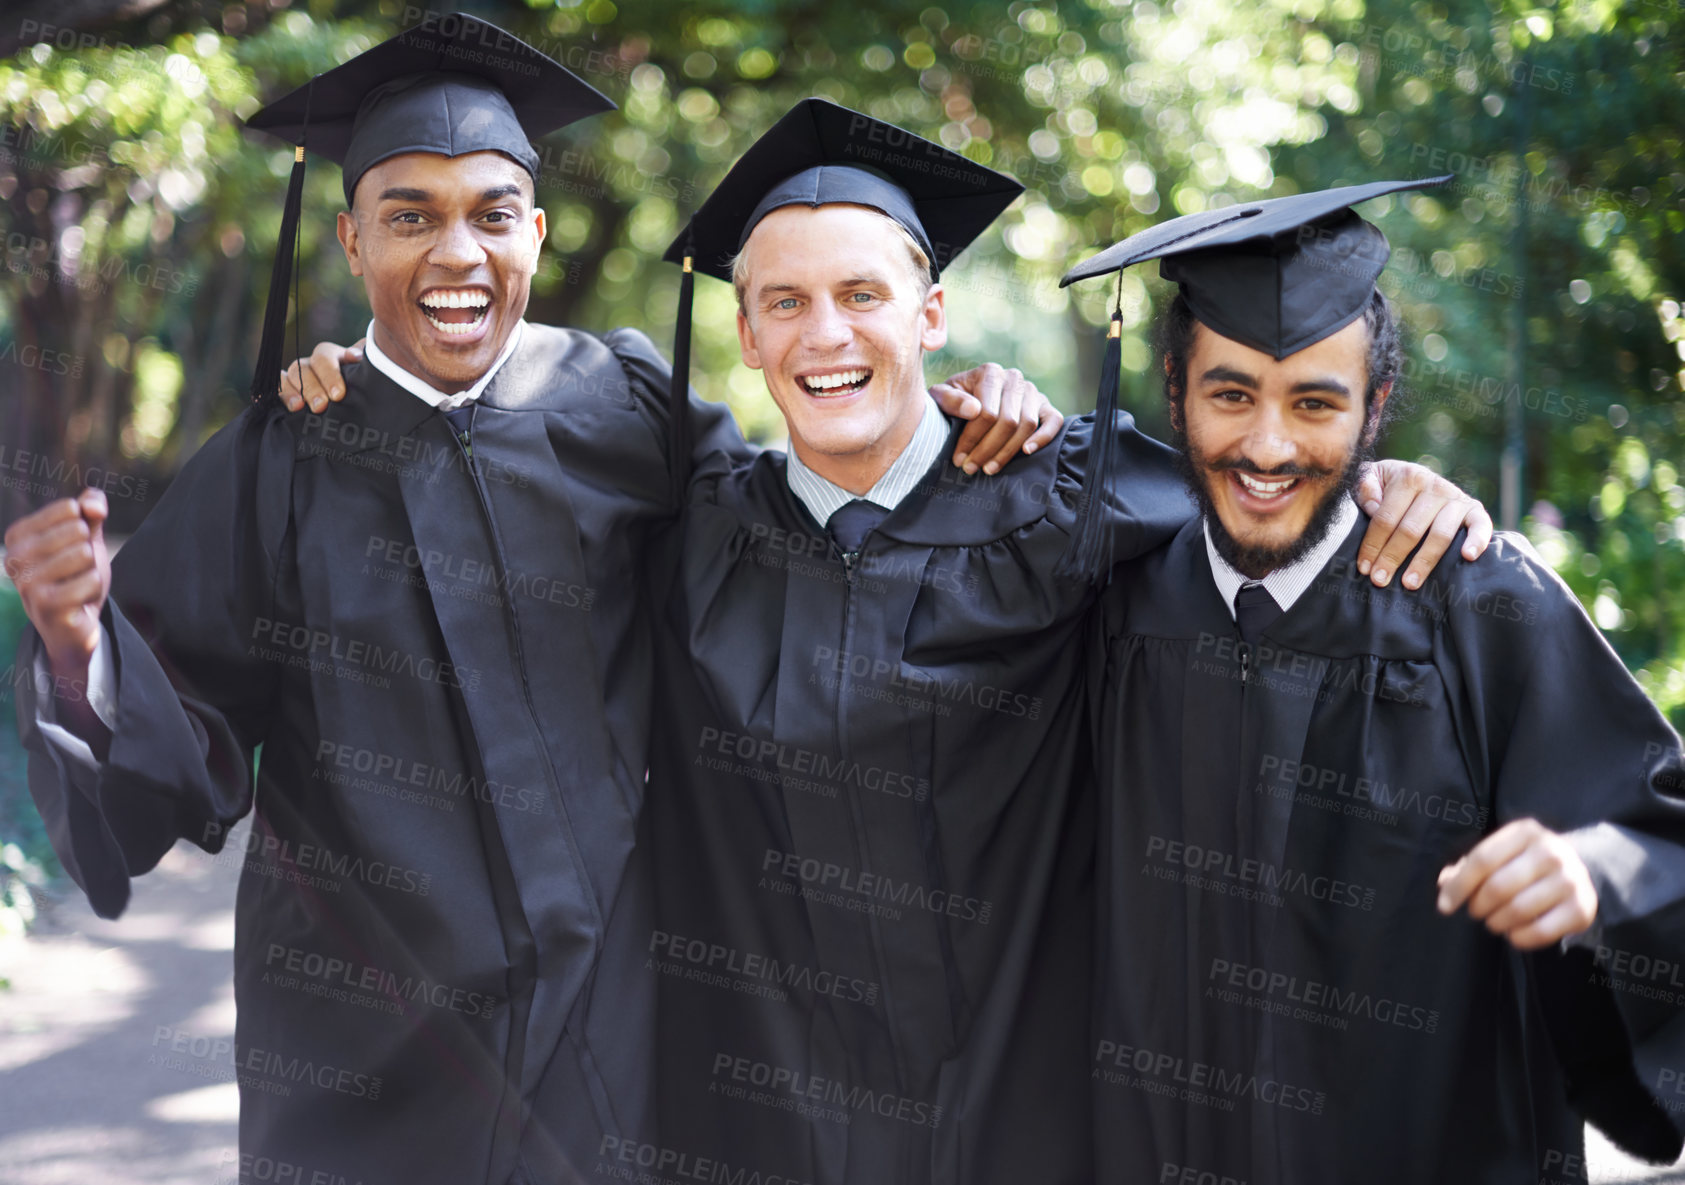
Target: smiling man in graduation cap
(867, 842)
(868, 801)
(1367, 856)
(428, 609)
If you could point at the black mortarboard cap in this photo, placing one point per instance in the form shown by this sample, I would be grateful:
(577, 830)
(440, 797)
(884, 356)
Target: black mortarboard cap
(452, 84)
(1277, 275)
(822, 154)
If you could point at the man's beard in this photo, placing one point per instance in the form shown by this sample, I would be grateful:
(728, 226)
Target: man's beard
(1255, 561)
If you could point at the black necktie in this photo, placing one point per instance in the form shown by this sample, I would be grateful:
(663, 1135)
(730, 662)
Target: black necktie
(850, 524)
(1254, 611)
(460, 418)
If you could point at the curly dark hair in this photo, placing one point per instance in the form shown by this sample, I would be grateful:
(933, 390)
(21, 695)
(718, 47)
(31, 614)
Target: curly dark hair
(1173, 337)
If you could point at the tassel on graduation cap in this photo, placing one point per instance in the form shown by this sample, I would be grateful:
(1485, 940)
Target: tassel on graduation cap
(678, 404)
(1089, 555)
(266, 376)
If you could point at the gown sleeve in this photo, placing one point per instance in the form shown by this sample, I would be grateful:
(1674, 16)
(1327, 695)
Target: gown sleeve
(102, 678)
(1145, 503)
(1572, 740)
(192, 592)
(717, 443)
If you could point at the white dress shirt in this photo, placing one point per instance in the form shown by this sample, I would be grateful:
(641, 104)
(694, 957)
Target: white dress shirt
(1287, 584)
(430, 395)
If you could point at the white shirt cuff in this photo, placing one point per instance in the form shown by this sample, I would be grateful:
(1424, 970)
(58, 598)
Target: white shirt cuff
(102, 685)
(1604, 848)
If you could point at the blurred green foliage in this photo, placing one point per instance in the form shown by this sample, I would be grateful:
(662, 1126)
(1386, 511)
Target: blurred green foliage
(26, 858)
(1548, 277)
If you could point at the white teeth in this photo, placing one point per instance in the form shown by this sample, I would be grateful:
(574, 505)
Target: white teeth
(455, 298)
(450, 298)
(453, 327)
(842, 378)
(1265, 489)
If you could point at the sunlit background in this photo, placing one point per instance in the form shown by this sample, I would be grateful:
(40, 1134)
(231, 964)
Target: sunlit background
(1542, 288)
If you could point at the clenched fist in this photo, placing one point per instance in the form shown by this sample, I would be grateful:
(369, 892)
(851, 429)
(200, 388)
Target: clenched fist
(1526, 882)
(58, 560)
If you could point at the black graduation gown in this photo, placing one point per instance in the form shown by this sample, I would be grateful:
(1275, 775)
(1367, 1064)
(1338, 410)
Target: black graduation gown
(872, 822)
(1279, 999)
(447, 663)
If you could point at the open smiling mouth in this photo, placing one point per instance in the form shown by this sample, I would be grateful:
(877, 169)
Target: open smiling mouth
(455, 311)
(834, 384)
(1264, 488)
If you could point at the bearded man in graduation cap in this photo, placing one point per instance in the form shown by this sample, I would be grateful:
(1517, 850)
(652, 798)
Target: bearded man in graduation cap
(428, 610)
(1372, 863)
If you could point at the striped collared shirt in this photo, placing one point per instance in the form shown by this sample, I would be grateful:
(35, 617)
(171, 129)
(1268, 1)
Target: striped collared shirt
(824, 498)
